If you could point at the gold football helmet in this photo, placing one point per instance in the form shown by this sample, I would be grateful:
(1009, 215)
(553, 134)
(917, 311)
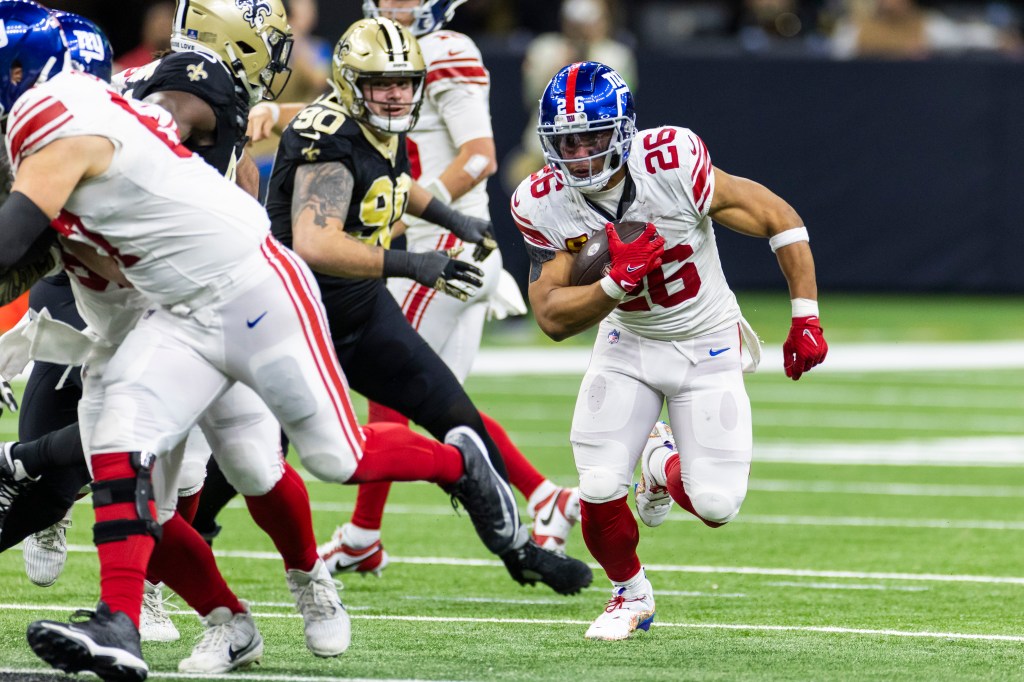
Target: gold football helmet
(378, 49)
(251, 37)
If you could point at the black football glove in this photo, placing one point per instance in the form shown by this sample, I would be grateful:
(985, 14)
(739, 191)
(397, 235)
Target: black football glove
(435, 269)
(7, 398)
(467, 228)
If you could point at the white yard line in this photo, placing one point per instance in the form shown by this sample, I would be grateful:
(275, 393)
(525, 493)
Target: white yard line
(861, 357)
(885, 489)
(667, 568)
(826, 629)
(253, 677)
(844, 586)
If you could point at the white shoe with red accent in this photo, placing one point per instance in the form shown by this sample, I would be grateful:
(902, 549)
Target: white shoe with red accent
(626, 612)
(343, 557)
(554, 514)
(653, 502)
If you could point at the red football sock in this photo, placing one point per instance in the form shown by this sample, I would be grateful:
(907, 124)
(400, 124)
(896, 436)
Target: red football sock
(521, 473)
(122, 562)
(394, 453)
(372, 497)
(674, 483)
(185, 563)
(381, 413)
(188, 505)
(612, 535)
(284, 515)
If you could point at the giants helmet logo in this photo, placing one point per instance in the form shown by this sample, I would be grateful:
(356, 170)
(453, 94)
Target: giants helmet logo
(254, 11)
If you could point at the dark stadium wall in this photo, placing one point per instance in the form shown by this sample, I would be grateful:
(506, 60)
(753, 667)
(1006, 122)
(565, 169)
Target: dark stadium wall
(909, 175)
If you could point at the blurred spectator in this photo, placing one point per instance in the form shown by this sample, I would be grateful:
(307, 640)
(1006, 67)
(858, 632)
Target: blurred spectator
(155, 37)
(771, 25)
(586, 35)
(902, 29)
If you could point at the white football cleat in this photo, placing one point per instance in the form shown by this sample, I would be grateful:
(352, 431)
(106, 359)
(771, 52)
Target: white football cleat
(230, 641)
(327, 625)
(625, 613)
(154, 622)
(653, 502)
(554, 515)
(45, 552)
(344, 557)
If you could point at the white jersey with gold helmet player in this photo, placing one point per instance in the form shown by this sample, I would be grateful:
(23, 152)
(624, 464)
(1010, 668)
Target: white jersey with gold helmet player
(455, 110)
(674, 181)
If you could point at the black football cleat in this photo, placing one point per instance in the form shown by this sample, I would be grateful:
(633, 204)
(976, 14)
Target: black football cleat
(98, 641)
(563, 574)
(484, 494)
(12, 484)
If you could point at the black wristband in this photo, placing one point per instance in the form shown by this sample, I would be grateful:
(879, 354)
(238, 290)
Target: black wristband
(438, 212)
(397, 264)
(22, 223)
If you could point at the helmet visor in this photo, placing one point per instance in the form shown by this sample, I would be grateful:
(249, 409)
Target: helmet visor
(586, 155)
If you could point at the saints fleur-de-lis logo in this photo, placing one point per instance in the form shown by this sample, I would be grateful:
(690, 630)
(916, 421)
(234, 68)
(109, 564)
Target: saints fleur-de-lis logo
(311, 153)
(254, 11)
(196, 72)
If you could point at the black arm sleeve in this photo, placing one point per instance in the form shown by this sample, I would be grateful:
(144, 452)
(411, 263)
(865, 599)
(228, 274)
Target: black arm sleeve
(21, 224)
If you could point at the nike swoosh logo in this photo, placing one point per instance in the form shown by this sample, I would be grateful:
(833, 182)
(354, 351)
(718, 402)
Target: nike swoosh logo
(253, 323)
(712, 352)
(551, 514)
(808, 334)
(452, 53)
(312, 136)
(633, 268)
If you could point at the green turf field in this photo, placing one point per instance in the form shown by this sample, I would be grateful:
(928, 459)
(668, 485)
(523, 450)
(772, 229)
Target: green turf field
(833, 571)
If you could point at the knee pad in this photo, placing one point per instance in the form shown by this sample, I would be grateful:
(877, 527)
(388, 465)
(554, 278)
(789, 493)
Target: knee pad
(602, 485)
(249, 472)
(715, 507)
(328, 467)
(137, 490)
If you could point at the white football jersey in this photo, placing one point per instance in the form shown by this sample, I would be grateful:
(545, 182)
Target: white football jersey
(453, 64)
(177, 228)
(674, 181)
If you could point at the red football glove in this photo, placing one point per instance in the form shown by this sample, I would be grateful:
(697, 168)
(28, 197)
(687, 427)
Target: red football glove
(631, 262)
(804, 348)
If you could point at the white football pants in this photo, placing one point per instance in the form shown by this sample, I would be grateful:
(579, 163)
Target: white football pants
(629, 379)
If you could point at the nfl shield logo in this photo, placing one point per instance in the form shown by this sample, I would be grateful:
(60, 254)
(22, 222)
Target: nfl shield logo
(613, 337)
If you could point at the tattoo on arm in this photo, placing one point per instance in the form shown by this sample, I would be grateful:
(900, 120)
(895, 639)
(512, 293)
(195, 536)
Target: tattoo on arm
(19, 278)
(325, 189)
(538, 257)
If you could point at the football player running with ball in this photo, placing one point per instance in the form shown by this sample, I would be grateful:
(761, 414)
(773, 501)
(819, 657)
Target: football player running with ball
(340, 183)
(669, 328)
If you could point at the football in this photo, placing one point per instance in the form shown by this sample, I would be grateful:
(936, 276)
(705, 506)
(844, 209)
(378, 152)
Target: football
(594, 260)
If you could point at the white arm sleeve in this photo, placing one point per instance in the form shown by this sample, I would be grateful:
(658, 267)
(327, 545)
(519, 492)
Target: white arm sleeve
(466, 113)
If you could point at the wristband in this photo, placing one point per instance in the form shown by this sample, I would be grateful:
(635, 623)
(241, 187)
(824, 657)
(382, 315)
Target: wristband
(612, 288)
(437, 188)
(804, 307)
(275, 111)
(787, 237)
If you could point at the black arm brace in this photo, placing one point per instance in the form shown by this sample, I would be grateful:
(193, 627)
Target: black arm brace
(21, 224)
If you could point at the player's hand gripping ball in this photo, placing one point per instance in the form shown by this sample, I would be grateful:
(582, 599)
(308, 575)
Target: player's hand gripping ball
(596, 259)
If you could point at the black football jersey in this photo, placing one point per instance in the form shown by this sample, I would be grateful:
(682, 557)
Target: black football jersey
(209, 80)
(324, 133)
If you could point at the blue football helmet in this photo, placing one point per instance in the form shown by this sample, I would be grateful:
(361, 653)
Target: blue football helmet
(584, 103)
(428, 17)
(31, 39)
(90, 50)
